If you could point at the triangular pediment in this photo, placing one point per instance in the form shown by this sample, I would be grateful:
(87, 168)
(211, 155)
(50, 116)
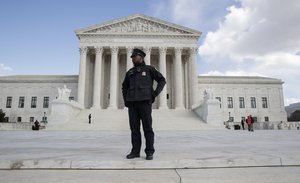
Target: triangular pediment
(138, 24)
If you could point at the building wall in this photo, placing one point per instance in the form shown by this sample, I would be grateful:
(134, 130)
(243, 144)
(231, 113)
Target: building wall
(32, 86)
(223, 87)
(247, 87)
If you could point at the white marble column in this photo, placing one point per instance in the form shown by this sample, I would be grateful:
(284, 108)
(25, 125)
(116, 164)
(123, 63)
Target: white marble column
(97, 78)
(129, 64)
(113, 102)
(147, 50)
(194, 77)
(178, 80)
(163, 71)
(82, 75)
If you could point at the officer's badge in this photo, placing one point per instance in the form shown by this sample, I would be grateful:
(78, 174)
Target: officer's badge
(143, 73)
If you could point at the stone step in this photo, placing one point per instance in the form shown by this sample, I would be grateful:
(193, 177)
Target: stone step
(117, 119)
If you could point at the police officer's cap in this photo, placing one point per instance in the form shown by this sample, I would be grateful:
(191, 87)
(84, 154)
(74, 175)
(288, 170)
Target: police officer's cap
(137, 51)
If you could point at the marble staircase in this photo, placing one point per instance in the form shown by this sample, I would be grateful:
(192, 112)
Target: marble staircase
(117, 120)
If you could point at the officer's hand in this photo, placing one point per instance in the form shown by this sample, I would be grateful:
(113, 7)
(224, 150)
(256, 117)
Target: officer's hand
(126, 104)
(153, 96)
(153, 99)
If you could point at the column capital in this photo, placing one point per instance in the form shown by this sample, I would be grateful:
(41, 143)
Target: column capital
(162, 50)
(129, 48)
(114, 49)
(147, 49)
(83, 50)
(178, 49)
(98, 50)
(193, 50)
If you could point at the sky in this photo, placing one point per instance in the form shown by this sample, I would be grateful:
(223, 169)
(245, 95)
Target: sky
(239, 37)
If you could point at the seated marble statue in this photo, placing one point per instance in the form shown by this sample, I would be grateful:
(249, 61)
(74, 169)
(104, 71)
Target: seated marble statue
(208, 94)
(64, 93)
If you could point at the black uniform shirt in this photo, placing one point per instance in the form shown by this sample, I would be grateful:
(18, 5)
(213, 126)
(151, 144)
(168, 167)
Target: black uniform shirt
(138, 83)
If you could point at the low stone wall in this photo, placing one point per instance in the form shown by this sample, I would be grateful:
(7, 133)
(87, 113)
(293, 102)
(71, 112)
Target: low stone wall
(270, 125)
(19, 126)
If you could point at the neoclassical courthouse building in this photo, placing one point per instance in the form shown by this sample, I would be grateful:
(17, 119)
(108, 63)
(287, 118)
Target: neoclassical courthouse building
(105, 51)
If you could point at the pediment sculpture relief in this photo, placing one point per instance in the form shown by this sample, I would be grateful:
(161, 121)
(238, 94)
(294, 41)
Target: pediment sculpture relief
(137, 25)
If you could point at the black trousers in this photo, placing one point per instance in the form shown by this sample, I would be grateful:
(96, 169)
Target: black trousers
(141, 111)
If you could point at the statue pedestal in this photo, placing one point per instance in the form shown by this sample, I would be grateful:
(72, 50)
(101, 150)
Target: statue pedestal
(209, 111)
(62, 111)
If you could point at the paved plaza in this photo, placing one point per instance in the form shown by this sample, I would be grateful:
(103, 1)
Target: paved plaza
(181, 156)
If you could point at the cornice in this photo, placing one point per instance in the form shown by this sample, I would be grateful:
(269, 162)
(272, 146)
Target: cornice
(39, 79)
(136, 35)
(238, 80)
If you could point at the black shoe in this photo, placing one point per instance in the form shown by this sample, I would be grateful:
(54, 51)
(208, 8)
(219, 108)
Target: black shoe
(149, 157)
(132, 155)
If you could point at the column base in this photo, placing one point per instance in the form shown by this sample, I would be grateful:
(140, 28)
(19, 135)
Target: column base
(163, 107)
(179, 108)
(112, 107)
(96, 107)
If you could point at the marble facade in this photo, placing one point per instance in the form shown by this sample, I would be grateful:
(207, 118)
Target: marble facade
(105, 51)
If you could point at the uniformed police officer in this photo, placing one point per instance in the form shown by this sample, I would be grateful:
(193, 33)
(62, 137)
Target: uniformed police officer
(138, 95)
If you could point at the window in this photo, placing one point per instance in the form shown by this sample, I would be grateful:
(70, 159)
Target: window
(242, 102)
(21, 102)
(219, 99)
(31, 119)
(254, 118)
(230, 102)
(6, 119)
(46, 102)
(71, 98)
(266, 118)
(33, 102)
(19, 119)
(8, 102)
(253, 102)
(231, 119)
(264, 102)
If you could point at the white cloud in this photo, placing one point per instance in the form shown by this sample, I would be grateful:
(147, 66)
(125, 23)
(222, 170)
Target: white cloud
(4, 68)
(231, 73)
(289, 101)
(255, 29)
(265, 33)
(184, 12)
(250, 37)
(188, 11)
(197, 14)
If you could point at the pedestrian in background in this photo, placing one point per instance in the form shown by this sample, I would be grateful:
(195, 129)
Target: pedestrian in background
(249, 123)
(242, 123)
(90, 118)
(252, 123)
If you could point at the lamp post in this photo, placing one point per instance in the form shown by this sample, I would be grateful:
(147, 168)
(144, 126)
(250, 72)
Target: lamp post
(229, 116)
(44, 118)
